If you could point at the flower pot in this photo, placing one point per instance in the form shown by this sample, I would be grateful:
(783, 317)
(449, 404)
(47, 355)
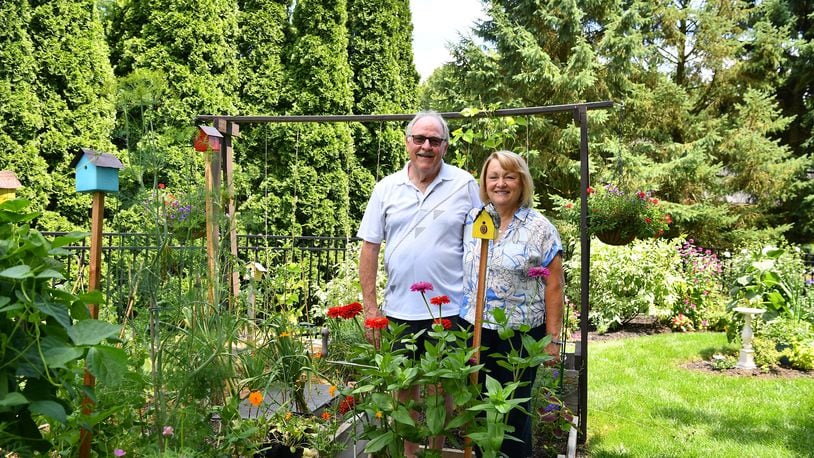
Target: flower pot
(615, 238)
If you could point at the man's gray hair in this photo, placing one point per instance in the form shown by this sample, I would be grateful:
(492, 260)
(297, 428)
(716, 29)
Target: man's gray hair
(429, 114)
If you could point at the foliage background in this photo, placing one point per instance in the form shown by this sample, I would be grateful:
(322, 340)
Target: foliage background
(712, 114)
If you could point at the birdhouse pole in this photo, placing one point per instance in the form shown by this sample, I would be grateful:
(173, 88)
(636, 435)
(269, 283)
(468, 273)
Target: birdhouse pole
(97, 220)
(484, 229)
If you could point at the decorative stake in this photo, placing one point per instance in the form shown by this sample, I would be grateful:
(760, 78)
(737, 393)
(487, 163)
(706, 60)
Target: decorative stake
(97, 173)
(484, 228)
(8, 185)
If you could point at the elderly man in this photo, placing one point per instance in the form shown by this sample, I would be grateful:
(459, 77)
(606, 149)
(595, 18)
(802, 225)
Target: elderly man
(420, 213)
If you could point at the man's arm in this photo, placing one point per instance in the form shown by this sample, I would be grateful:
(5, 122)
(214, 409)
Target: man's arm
(368, 269)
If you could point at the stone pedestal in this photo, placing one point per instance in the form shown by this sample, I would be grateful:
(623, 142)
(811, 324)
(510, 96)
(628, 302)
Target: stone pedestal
(746, 359)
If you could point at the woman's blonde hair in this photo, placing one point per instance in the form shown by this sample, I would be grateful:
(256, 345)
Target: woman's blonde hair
(510, 162)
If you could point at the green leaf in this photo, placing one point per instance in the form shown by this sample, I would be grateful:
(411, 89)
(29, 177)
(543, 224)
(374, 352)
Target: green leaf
(67, 239)
(17, 272)
(50, 273)
(379, 442)
(401, 415)
(50, 409)
(93, 297)
(107, 364)
(92, 332)
(58, 353)
(13, 399)
(57, 311)
(436, 416)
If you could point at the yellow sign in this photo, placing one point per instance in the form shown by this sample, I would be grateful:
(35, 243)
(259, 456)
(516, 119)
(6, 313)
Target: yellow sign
(484, 227)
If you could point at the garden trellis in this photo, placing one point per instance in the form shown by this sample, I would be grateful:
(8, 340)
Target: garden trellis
(221, 163)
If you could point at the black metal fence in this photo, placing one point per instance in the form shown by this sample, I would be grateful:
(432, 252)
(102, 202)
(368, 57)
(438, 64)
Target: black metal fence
(131, 259)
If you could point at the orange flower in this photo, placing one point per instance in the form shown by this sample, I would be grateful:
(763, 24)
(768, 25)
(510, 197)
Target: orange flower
(317, 354)
(288, 416)
(379, 414)
(326, 416)
(332, 390)
(256, 398)
(285, 334)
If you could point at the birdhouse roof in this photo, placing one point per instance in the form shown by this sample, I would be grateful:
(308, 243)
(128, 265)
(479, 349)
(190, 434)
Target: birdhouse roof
(97, 158)
(8, 180)
(211, 131)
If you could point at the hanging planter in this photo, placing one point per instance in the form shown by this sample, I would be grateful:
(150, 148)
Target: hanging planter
(617, 218)
(615, 238)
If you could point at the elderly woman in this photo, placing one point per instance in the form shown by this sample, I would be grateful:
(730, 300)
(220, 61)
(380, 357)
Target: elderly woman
(524, 278)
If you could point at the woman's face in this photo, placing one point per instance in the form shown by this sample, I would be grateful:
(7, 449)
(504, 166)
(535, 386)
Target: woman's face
(503, 188)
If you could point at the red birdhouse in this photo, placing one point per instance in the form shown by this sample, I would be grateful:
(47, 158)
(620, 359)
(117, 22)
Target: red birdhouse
(208, 138)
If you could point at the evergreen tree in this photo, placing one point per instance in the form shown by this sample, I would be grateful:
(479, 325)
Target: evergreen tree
(313, 163)
(682, 74)
(59, 84)
(175, 60)
(21, 113)
(384, 81)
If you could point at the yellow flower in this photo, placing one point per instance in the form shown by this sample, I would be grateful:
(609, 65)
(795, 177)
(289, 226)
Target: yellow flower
(332, 390)
(288, 415)
(379, 414)
(256, 398)
(285, 334)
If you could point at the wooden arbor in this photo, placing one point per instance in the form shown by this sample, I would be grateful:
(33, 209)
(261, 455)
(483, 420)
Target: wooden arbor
(228, 126)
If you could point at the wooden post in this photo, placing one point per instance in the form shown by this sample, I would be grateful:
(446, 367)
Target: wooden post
(97, 220)
(229, 130)
(212, 178)
(484, 229)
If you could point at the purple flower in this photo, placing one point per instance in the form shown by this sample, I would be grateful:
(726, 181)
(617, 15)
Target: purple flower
(422, 287)
(539, 271)
(551, 407)
(555, 373)
(119, 452)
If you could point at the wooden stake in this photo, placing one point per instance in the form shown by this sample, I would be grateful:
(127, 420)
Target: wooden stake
(484, 229)
(95, 262)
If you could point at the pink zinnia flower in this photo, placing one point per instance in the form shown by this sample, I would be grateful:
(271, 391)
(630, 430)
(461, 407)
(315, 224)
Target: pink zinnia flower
(168, 431)
(539, 271)
(421, 287)
(119, 452)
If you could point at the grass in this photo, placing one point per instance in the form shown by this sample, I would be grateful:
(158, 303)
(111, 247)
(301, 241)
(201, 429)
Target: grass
(642, 403)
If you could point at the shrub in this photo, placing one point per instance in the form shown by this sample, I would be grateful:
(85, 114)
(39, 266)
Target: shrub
(701, 297)
(639, 278)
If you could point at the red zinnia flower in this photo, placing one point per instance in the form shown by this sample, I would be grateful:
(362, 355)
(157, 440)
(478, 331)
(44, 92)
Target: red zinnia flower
(590, 190)
(161, 186)
(346, 405)
(447, 324)
(335, 312)
(351, 310)
(376, 323)
(439, 300)
(421, 287)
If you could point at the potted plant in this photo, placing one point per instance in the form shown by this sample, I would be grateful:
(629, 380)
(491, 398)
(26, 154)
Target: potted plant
(617, 217)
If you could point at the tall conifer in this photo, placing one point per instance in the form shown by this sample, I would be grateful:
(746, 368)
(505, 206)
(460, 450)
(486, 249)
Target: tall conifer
(60, 87)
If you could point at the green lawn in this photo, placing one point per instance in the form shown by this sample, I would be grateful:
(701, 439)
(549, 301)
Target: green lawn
(642, 403)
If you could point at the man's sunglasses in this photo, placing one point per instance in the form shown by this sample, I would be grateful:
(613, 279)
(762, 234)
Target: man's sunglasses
(419, 140)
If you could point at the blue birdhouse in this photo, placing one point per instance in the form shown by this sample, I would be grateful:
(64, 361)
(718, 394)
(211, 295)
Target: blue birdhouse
(96, 171)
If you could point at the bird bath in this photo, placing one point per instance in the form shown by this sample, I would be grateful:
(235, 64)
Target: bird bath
(746, 360)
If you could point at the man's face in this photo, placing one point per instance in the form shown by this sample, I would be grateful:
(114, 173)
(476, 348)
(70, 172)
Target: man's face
(424, 157)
